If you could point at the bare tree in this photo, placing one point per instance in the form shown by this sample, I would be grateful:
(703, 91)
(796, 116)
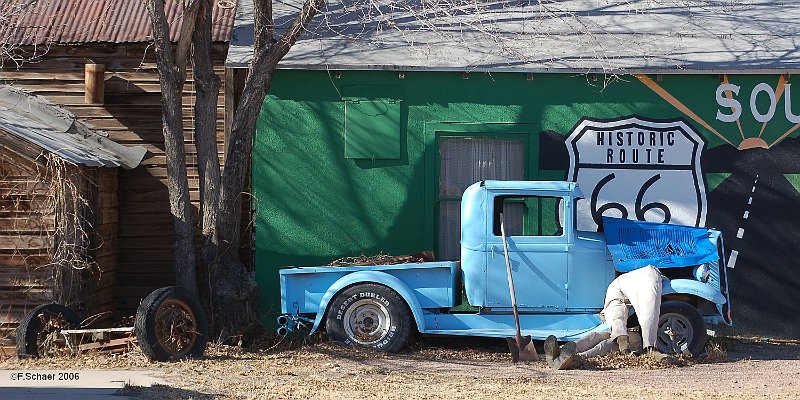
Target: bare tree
(232, 286)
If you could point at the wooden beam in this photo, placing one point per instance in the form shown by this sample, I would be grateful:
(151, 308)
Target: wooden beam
(94, 83)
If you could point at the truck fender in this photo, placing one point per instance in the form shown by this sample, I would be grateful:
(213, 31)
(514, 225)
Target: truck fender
(689, 286)
(378, 277)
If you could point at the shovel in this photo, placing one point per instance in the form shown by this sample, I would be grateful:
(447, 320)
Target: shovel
(521, 347)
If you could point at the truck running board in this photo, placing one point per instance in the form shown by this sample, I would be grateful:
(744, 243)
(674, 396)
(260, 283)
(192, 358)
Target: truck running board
(538, 326)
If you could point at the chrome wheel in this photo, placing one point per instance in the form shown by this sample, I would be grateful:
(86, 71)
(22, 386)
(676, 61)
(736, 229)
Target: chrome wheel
(366, 322)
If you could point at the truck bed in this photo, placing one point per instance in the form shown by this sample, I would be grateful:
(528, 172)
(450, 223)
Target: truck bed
(432, 282)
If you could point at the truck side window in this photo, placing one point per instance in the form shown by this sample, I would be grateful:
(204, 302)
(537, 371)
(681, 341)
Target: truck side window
(528, 215)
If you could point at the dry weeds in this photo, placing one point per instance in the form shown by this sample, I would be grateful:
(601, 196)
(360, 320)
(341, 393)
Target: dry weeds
(448, 368)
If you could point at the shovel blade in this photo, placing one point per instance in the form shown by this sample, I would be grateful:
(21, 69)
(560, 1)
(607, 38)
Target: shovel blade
(522, 349)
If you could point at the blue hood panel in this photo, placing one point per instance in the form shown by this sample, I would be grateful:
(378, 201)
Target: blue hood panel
(635, 244)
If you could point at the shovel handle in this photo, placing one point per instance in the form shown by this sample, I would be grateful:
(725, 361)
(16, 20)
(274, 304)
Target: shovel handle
(510, 279)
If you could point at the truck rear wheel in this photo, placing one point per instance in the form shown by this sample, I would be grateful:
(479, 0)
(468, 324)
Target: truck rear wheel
(369, 315)
(681, 329)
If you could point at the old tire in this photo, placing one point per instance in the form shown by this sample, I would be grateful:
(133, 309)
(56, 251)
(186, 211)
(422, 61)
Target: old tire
(681, 329)
(170, 324)
(40, 327)
(369, 315)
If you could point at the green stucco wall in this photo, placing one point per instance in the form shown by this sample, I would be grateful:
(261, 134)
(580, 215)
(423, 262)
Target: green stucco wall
(314, 205)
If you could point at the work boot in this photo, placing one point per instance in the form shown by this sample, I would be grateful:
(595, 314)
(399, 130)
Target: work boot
(622, 342)
(567, 357)
(551, 350)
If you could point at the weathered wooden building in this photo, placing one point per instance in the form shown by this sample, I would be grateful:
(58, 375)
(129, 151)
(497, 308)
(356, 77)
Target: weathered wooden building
(57, 47)
(58, 209)
(383, 113)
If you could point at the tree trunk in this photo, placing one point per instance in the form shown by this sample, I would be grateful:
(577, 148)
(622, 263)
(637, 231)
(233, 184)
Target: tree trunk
(205, 133)
(172, 77)
(234, 288)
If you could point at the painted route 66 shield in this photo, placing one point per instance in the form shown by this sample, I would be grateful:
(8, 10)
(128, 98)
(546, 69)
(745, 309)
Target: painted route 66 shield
(639, 169)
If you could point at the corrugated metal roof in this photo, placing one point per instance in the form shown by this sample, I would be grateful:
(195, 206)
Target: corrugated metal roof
(51, 128)
(84, 21)
(537, 35)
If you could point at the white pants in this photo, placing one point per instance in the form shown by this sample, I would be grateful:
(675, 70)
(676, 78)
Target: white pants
(599, 343)
(642, 289)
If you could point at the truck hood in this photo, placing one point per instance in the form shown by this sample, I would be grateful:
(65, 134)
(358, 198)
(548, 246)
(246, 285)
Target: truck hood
(635, 244)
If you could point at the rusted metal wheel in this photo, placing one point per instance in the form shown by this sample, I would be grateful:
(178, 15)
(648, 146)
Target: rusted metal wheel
(39, 331)
(170, 324)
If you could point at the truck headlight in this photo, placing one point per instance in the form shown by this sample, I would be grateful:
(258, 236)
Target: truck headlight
(701, 273)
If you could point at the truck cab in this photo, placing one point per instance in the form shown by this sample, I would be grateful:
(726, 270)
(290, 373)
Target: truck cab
(561, 269)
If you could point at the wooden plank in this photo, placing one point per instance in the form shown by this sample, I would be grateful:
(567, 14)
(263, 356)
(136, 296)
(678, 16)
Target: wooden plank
(98, 330)
(34, 222)
(137, 219)
(129, 341)
(21, 184)
(29, 300)
(24, 241)
(106, 231)
(19, 260)
(107, 260)
(108, 215)
(18, 75)
(146, 242)
(24, 277)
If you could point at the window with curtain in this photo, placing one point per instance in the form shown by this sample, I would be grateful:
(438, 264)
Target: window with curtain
(465, 160)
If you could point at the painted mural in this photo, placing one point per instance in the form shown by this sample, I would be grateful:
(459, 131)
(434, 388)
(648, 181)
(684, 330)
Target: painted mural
(705, 150)
(746, 185)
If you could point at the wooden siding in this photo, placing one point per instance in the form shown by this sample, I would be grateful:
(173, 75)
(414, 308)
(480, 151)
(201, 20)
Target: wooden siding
(131, 115)
(32, 272)
(24, 228)
(100, 287)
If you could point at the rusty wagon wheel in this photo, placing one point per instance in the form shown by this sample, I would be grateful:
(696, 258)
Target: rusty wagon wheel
(39, 331)
(170, 324)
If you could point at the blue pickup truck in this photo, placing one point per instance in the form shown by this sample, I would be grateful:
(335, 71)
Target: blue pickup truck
(561, 275)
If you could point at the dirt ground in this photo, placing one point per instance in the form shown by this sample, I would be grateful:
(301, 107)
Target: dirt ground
(452, 368)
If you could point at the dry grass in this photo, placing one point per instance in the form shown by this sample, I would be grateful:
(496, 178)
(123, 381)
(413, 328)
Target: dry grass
(433, 368)
(271, 348)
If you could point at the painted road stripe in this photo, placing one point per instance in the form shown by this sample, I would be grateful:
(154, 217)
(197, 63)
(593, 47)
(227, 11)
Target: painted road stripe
(732, 259)
(754, 190)
(746, 214)
(740, 233)
(750, 200)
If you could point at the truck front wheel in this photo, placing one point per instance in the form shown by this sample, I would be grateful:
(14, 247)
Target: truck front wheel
(369, 315)
(681, 329)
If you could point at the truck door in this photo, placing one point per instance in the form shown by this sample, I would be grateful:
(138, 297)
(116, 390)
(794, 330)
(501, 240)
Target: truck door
(538, 249)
